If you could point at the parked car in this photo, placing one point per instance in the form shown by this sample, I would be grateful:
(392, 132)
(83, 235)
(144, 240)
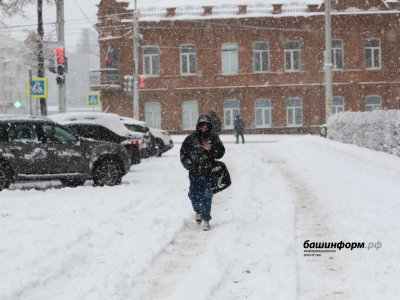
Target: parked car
(103, 127)
(151, 148)
(163, 140)
(33, 148)
(160, 140)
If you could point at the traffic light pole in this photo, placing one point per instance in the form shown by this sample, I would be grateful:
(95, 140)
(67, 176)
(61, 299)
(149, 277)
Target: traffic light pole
(40, 30)
(135, 62)
(62, 105)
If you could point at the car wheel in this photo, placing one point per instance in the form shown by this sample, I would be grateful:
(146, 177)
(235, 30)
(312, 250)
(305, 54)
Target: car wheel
(5, 180)
(107, 172)
(160, 145)
(73, 182)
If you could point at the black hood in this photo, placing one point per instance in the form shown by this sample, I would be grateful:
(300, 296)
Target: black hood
(204, 119)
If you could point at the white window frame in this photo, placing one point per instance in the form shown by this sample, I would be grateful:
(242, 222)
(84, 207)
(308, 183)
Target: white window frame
(294, 108)
(188, 58)
(152, 114)
(229, 59)
(292, 49)
(190, 114)
(231, 110)
(260, 57)
(337, 104)
(151, 61)
(372, 54)
(337, 54)
(373, 104)
(263, 108)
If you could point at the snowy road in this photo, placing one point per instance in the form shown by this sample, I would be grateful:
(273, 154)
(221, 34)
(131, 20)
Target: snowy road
(139, 240)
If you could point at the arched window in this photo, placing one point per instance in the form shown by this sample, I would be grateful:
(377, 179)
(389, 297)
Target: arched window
(294, 111)
(231, 110)
(152, 112)
(190, 114)
(188, 60)
(263, 113)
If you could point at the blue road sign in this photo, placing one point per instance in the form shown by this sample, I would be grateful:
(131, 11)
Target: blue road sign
(93, 99)
(37, 88)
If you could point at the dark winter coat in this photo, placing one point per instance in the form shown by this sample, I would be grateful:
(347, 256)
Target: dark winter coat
(194, 157)
(238, 125)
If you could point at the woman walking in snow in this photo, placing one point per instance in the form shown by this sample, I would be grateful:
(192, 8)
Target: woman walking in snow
(198, 153)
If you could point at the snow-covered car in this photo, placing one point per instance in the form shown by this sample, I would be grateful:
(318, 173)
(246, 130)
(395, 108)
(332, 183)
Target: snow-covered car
(160, 140)
(33, 148)
(151, 147)
(163, 140)
(103, 127)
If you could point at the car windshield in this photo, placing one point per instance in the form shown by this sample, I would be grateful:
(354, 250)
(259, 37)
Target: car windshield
(134, 127)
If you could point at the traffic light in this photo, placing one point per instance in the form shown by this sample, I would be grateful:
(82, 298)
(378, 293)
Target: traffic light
(141, 77)
(17, 104)
(60, 60)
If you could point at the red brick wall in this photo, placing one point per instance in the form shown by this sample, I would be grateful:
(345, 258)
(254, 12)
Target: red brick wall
(210, 88)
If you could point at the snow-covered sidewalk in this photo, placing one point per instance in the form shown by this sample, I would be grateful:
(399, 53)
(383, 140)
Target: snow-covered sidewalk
(139, 240)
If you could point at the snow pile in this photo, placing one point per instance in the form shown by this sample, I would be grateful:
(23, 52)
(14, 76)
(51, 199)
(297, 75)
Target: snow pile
(377, 130)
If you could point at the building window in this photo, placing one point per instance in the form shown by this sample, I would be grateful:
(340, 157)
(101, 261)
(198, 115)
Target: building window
(190, 113)
(263, 113)
(373, 103)
(229, 57)
(337, 54)
(337, 105)
(112, 57)
(294, 112)
(151, 61)
(292, 56)
(260, 57)
(188, 59)
(231, 110)
(152, 111)
(372, 50)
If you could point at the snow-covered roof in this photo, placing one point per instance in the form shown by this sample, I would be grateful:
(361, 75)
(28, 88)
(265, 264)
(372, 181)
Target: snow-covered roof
(153, 10)
(108, 120)
(200, 3)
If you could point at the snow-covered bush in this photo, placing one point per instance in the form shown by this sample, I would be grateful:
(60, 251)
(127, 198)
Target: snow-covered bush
(377, 130)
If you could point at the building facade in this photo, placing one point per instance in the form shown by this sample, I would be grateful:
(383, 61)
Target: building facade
(264, 62)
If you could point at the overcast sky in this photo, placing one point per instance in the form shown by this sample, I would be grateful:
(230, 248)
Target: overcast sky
(75, 20)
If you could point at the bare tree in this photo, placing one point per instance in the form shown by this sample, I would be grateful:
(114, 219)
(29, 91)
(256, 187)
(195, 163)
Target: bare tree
(15, 7)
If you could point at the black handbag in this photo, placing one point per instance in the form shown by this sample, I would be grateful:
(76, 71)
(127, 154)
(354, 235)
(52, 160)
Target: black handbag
(220, 178)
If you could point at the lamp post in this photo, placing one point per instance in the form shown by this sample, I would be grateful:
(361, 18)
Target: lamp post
(328, 61)
(135, 62)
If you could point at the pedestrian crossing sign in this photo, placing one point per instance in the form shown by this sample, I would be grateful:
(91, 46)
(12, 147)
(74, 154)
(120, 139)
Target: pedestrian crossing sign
(37, 88)
(93, 99)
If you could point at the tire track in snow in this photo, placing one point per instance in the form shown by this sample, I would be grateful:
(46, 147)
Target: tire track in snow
(175, 261)
(321, 277)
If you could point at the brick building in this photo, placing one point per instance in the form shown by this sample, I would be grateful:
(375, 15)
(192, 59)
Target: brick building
(264, 61)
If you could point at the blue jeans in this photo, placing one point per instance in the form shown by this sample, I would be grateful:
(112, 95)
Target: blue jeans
(200, 194)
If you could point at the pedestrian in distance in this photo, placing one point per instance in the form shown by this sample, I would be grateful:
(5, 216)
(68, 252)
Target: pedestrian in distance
(238, 128)
(216, 122)
(198, 154)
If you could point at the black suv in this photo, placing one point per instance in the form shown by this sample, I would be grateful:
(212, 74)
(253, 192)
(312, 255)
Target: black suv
(39, 149)
(101, 133)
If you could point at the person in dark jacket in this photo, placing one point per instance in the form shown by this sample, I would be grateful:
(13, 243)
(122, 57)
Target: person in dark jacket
(238, 127)
(198, 153)
(216, 122)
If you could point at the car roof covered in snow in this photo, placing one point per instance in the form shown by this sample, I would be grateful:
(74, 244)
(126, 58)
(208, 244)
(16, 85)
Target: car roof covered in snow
(127, 120)
(108, 120)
